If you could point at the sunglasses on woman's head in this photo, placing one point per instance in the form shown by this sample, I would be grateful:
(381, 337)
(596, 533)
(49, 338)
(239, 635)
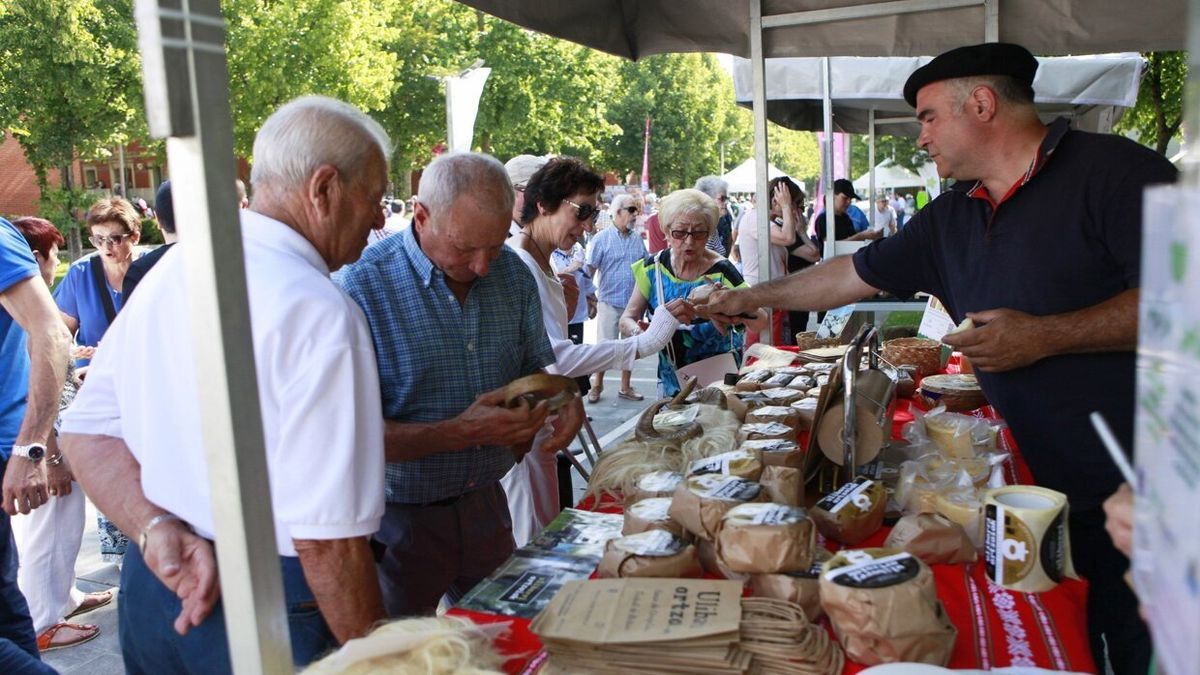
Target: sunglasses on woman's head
(584, 211)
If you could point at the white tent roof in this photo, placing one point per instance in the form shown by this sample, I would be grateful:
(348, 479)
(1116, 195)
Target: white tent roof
(741, 178)
(887, 178)
(1067, 85)
(637, 28)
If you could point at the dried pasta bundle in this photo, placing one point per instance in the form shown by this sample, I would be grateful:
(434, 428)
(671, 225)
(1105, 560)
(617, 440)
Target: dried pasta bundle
(619, 467)
(435, 646)
(781, 639)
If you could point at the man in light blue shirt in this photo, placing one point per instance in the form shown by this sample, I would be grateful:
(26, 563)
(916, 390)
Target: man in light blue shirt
(455, 317)
(612, 253)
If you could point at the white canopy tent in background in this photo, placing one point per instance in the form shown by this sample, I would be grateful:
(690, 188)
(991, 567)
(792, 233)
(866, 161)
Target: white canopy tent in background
(888, 176)
(742, 177)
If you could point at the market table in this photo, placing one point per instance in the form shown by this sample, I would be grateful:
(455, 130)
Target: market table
(997, 627)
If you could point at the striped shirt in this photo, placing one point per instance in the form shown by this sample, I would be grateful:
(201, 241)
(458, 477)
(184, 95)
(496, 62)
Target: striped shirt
(436, 356)
(612, 255)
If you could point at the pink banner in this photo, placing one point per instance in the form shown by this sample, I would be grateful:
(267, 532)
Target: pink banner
(646, 158)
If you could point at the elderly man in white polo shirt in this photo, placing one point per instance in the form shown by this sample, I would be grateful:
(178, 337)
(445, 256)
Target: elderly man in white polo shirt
(133, 435)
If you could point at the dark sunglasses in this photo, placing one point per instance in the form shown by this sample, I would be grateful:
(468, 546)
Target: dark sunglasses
(585, 211)
(694, 234)
(631, 209)
(99, 241)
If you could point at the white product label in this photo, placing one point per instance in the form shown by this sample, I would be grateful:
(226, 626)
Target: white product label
(654, 509)
(855, 494)
(676, 418)
(726, 488)
(660, 481)
(777, 514)
(656, 543)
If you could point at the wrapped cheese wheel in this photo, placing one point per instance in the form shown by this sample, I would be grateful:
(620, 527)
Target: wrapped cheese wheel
(655, 553)
(766, 539)
(853, 512)
(777, 380)
(819, 368)
(743, 463)
(650, 514)
(932, 538)
(700, 502)
(884, 608)
(783, 484)
(765, 431)
(776, 451)
(802, 588)
(791, 370)
(958, 435)
(965, 507)
(802, 382)
(807, 409)
(815, 392)
(753, 380)
(783, 414)
(781, 395)
(655, 484)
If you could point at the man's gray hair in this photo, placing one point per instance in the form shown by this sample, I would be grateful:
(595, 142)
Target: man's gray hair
(1008, 89)
(310, 131)
(449, 176)
(619, 202)
(712, 186)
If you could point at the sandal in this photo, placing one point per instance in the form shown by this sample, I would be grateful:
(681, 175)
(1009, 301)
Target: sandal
(67, 634)
(92, 601)
(594, 394)
(630, 394)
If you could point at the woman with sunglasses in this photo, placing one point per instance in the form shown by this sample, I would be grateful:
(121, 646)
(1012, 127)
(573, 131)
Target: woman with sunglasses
(560, 205)
(89, 298)
(687, 218)
(90, 294)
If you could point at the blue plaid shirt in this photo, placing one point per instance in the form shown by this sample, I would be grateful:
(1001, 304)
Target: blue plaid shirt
(436, 356)
(612, 255)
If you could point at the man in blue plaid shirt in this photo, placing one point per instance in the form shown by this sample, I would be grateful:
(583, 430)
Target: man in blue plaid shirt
(455, 316)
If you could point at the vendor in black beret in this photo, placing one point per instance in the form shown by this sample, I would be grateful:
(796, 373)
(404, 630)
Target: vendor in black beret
(1039, 243)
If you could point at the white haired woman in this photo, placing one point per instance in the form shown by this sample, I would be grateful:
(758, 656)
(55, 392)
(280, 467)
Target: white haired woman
(687, 218)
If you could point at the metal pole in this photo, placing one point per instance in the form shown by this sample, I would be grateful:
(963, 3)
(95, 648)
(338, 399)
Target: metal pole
(762, 205)
(1191, 101)
(991, 20)
(871, 160)
(187, 101)
(449, 115)
(827, 156)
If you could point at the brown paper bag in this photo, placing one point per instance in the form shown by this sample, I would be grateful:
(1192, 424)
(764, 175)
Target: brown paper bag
(802, 588)
(933, 538)
(766, 539)
(655, 553)
(700, 502)
(853, 512)
(783, 484)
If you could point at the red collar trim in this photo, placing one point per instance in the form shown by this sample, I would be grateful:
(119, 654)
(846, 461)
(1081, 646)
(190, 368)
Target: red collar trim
(1057, 129)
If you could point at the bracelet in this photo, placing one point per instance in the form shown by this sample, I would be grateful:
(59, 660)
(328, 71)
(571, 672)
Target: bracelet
(55, 460)
(154, 522)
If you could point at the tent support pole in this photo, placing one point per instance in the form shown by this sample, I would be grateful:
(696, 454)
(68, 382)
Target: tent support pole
(871, 160)
(762, 204)
(991, 20)
(827, 156)
(1190, 165)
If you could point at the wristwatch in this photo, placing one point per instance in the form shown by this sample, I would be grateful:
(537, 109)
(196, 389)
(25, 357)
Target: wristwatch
(33, 452)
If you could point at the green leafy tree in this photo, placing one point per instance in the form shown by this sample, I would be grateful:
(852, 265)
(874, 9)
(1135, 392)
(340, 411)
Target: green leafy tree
(901, 150)
(70, 87)
(1158, 114)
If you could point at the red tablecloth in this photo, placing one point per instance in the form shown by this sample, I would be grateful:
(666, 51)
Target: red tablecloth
(996, 627)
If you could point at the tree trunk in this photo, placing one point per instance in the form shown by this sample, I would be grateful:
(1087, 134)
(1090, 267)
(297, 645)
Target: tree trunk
(74, 241)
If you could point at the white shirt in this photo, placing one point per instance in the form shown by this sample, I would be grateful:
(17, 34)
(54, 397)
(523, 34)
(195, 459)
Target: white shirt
(884, 221)
(317, 383)
(571, 359)
(747, 243)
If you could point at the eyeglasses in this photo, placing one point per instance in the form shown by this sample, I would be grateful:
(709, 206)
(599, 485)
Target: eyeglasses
(585, 211)
(681, 235)
(631, 209)
(722, 198)
(100, 241)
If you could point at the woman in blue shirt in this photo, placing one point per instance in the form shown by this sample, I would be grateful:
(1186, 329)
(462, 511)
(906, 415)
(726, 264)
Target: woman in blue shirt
(90, 294)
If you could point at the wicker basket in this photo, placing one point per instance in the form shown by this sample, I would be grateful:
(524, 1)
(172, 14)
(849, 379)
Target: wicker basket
(809, 340)
(958, 393)
(923, 353)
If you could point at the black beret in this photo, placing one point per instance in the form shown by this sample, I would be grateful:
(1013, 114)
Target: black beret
(992, 58)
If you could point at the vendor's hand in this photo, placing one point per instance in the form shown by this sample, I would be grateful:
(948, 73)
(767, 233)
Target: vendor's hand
(566, 424)
(1003, 339)
(185, 563)
(591, 301)
(723, 307)
(1118, 510)
(488, 422)
(24, 487)
(681, 310)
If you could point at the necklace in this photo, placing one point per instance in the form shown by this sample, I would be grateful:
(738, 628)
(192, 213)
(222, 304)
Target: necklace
(538, 247)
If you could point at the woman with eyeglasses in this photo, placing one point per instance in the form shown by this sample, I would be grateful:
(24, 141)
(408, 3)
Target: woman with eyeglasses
(687, 218)
(90, 294)
(560, 205)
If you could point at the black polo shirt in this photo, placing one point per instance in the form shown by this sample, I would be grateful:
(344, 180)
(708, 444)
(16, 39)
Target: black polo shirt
(1066, 238)
(843, 228)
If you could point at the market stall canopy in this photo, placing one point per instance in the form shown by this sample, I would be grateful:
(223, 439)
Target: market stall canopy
(888, 176)
(638, 28)
(1069, 86)
(742, 177)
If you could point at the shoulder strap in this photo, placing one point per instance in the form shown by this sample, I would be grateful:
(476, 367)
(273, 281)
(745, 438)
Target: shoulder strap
(97, 266)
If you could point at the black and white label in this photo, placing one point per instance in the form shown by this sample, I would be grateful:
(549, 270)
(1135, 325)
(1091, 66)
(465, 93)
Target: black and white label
(855, 494)
(865, 571)
(653, 543)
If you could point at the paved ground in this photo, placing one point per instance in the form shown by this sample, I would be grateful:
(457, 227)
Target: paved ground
(612, 418)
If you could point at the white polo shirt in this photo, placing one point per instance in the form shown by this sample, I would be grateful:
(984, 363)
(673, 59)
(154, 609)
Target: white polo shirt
(317, 382)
